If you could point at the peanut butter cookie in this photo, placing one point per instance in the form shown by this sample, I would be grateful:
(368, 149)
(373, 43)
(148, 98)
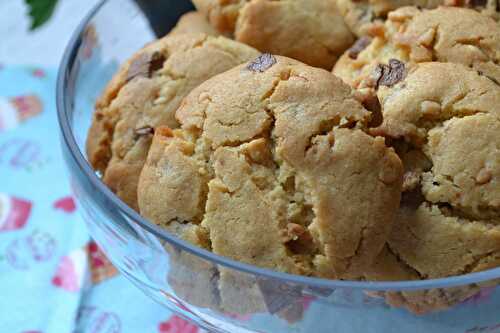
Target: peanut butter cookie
(312, 31)
(144, 94)
(272, 161)
(414, 35)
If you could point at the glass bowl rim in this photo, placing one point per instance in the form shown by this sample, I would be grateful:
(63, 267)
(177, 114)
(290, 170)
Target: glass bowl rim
(68, 139)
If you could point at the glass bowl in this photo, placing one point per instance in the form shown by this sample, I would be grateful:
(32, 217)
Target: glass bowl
(217, 293)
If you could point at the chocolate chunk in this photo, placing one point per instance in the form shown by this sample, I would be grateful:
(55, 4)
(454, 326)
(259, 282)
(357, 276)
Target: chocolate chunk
(376, 75)
(359, 46)
(389, 75)
(372, 104)
(262, 63)
(278, 295)
(145, 65)
(143, 131)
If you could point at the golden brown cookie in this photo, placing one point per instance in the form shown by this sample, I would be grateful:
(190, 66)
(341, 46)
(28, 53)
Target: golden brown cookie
(144, 94)
(486, 7)
(444, 120)
(388, 267)
(193, 22)
(413, 35)
(450, 114)
(312, 31)
(272, 161)
(363, 16)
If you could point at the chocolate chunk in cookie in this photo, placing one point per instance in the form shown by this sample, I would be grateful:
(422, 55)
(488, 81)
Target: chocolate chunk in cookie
(389, 75)
(262, 63)
(416, 36)
(145, 65)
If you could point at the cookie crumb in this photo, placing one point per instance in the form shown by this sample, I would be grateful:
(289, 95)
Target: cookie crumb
(359, 46)
(145, 65)
(262, 63)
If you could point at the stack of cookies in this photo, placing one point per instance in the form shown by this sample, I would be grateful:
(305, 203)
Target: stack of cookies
(341, 139)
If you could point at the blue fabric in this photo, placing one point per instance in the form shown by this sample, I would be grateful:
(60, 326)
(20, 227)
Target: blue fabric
(52, 277)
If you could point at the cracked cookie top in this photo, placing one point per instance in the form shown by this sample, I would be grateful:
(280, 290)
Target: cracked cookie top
(311, 31)
(414, 35)
(444, 121)
(144, 94)
(273, 166)
(363, 16)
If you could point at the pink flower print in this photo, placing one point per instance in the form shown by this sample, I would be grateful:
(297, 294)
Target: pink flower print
(38, 72)
(177, 325)
(70, 272)
(14, 212)
(66, 204)
(23, 253)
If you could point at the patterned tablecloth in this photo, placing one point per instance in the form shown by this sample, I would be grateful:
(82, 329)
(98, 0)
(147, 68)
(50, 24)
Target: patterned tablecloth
(53, 278)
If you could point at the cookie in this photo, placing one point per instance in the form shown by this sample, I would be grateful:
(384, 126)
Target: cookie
(486, 7)
(144, 94)
(413, 35)
(388, 267)
(312, 31)
(447, 137)
(193, 22)
(443, 119)
(273, 162)
(363, 16)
